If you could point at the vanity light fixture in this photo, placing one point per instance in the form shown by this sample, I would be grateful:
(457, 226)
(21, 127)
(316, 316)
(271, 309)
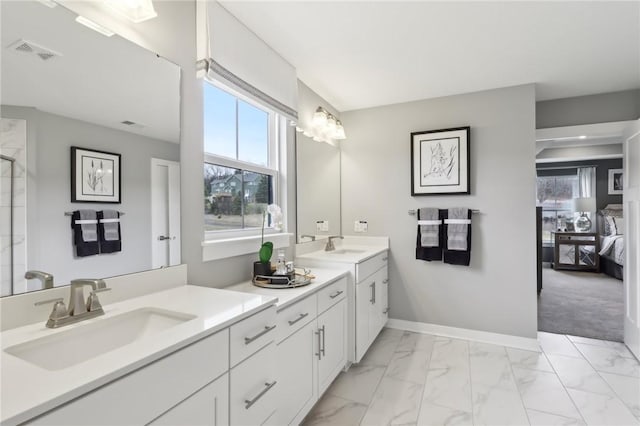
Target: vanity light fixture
(95, 27)
(134, 10)
(48, 3)
(325, 126)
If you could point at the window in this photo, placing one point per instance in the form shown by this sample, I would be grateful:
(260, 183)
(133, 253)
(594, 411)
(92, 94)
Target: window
(241, 163)
(555, 194)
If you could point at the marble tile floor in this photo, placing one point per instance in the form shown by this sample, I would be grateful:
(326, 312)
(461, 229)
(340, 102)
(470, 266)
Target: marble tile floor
(419, 379)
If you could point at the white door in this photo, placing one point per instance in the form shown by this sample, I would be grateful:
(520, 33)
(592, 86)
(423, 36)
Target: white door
(631, 200)
(165, 213)
(333, 338)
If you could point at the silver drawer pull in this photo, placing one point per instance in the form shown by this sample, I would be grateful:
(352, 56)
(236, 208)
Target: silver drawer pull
(336, 294)
(384, 259)
(373, 293)
(267, 329)
(299, 318)
(385, 281)
(249, 402)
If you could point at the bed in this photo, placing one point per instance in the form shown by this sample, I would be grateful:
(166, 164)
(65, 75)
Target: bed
(611, 231)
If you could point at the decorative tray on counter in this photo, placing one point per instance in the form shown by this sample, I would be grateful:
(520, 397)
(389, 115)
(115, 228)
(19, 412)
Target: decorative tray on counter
(283, 281)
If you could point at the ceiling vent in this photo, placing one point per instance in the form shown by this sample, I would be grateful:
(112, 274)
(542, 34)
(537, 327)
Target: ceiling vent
(29, 47)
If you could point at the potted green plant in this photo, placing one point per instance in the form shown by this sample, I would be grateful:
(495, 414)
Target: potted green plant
(263, 266)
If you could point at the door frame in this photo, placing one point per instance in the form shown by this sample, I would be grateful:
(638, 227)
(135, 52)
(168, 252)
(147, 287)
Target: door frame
(173, 211)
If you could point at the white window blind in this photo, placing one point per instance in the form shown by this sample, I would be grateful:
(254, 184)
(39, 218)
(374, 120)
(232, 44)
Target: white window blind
(234, 54)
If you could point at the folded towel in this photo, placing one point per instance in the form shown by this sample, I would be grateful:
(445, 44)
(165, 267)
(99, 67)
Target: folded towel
(457, 233)
(429, 234)
(109, 231)
(85, 232)
(452, 252)
(434, 252)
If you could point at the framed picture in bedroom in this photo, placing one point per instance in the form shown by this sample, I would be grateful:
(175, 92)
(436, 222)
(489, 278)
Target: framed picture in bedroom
(95, 176)
(615, 181)
(440, 162)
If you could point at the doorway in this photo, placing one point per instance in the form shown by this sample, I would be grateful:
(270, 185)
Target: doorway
(165, 213)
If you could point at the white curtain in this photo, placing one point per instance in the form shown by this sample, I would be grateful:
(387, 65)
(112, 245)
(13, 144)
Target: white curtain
(586, 182)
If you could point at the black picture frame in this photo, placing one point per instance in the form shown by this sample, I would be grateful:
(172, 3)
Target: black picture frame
(447, 152)
(95, 176)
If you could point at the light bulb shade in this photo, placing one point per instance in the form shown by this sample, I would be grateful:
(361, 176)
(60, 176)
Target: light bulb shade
(134, 10)
(587, 204)
(339, 133)
(331, 125)
(320, 117)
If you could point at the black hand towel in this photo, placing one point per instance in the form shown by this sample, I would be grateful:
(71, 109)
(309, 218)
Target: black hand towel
(109, 231)
(456, 257)
(85, 235)
(428, 253)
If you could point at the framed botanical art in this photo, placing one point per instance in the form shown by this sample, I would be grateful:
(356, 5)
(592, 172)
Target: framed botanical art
(615, 181)
(440, 162)
(95, 176)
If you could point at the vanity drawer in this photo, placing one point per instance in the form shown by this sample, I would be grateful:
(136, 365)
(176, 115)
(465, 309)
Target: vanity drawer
(296, 316)
(253, 395)
(369, 266)
(332, 294)
(251, 334)
(143, 395)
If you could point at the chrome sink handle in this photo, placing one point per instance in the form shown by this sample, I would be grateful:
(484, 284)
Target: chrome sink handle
(77, 303)
(58, 312)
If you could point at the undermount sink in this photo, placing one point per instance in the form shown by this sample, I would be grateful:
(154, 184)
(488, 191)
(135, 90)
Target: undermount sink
(345, 251)
(86, 341)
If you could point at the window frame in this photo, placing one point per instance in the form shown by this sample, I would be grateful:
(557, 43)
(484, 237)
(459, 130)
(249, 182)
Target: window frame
(276, 147)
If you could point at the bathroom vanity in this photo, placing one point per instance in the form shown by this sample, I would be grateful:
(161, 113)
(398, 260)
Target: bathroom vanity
(366, 259)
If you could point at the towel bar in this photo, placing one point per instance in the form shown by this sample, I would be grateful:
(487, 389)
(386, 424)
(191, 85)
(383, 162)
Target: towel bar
(71, 214)
(412, 212)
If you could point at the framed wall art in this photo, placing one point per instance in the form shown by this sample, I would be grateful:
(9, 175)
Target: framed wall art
(440, 162)
(615, 181)
(95, 176)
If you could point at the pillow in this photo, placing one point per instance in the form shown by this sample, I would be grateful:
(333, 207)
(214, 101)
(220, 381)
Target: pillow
(611, 212)
(609, 226)
(619, 225)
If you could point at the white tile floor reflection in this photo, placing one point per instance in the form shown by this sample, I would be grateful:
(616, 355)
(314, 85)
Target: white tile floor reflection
(419, 379)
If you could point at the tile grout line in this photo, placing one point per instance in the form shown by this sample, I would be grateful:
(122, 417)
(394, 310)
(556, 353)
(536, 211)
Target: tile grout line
(473, 411)
(426, 374)
(515, 381)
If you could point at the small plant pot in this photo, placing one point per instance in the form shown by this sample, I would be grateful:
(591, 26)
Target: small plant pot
(260, 268)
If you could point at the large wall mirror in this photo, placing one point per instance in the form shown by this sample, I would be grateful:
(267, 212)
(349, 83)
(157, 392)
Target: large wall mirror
(318, 189)
(65, 85)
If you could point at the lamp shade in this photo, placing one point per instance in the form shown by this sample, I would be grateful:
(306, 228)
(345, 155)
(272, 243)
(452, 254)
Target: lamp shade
(587, 204)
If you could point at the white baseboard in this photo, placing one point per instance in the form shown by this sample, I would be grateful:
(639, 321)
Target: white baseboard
(529, 344)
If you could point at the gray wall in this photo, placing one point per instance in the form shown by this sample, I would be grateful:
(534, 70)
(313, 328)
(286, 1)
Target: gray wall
(173, 36)
(497, 293)
(602, 108)
(49, 235)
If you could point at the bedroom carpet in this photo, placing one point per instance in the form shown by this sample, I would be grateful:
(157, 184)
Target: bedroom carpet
(581, 304)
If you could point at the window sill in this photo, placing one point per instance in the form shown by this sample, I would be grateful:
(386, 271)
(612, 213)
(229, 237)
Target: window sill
(231, 247)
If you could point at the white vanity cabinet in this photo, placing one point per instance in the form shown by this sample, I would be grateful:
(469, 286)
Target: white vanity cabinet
(311, 352)
(226, 378)
(371, 309)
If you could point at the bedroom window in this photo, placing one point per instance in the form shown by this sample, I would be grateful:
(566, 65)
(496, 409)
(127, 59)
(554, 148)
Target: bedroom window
(555, 194)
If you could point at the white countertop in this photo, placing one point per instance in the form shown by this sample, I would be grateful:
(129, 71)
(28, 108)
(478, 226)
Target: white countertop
(357, 253)
(288, 296)
(28, 390)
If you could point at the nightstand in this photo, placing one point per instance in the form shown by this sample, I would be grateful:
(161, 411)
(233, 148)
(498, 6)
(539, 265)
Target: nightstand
(577, 251)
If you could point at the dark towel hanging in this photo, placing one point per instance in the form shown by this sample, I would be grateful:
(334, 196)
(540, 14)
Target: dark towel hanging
(109, 232)
(429, 253)
(456, 257)
(85, 236)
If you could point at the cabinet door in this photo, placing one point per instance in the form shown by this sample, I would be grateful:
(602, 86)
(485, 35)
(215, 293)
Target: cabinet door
(384, 299)
(378, 302)
(333, 340)
(207, 407)
(363, 303)
(295, 365)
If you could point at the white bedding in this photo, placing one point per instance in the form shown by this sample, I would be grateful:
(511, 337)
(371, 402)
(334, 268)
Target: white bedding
(613, 247)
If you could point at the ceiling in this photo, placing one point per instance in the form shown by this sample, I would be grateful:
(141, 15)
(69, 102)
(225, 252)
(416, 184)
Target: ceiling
(360, 54)
(98, 79)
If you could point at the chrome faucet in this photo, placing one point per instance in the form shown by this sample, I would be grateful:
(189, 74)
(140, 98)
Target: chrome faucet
(45, 277)
(79, 309)
(313, 237)
(330, 246)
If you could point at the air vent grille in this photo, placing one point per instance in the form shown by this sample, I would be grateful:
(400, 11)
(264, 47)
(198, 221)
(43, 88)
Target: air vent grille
(29, 47)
